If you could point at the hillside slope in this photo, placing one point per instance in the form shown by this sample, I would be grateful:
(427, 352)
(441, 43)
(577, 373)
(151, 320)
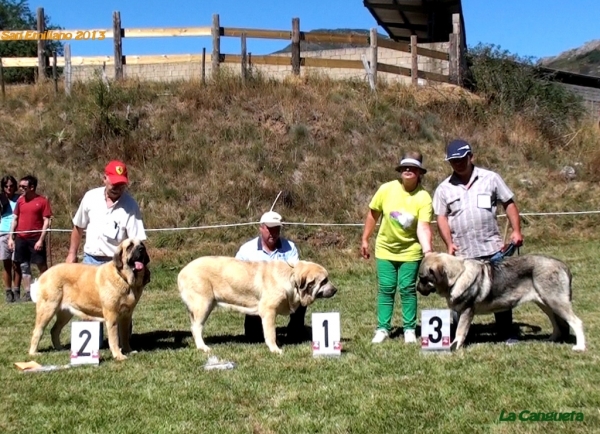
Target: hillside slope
(582, 60)
(220, 154)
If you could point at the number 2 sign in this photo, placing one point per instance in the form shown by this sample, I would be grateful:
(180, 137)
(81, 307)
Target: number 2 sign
(326, 334)
(85, 342)
(435, 330)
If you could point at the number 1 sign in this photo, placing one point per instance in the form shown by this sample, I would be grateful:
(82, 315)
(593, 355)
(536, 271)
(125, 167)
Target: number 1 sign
(326, 334)
(85, 342)
(435, 330)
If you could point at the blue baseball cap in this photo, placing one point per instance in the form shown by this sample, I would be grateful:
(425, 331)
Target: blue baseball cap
(457, 149)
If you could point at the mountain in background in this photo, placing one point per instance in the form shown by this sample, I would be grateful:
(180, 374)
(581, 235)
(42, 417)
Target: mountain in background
(582, 60)
(317, 46)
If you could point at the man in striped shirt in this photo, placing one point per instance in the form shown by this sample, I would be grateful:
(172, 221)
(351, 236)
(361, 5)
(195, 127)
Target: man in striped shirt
(465, 204)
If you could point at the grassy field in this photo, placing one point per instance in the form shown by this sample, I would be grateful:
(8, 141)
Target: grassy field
(370, 389)
(219, 154)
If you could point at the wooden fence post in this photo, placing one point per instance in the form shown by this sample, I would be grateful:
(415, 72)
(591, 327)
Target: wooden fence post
(244, 60)
(54, 72)
(296, 46)
(68, 71)
(203, 65)
(414, 66)
(216, 52)
(2, 80)
(453, 59)
(373, 43)
(117, 33)
(41, 43)
(456, 52)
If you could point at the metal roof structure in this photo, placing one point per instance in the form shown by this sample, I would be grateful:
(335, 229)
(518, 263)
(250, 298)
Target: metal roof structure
(429, 20)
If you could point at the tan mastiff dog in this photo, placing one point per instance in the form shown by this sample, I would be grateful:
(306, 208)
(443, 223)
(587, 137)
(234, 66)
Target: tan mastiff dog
(264, 288)
(107, 293)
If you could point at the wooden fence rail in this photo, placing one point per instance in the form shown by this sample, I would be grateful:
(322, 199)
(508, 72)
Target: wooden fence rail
(43, 61)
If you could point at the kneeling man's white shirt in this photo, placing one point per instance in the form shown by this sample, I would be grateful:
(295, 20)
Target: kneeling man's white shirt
(106, 227)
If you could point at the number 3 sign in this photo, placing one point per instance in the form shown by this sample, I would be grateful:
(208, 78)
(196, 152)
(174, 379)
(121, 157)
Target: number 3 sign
(326, 334)
(85, 342)
(435, 330)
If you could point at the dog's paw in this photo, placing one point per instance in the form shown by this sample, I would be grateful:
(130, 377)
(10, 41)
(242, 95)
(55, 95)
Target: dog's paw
(204, 348)
(120, 357)
(34, 353)
(277, 350)
(579, 348)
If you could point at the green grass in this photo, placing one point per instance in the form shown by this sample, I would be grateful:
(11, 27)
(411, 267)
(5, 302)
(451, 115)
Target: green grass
(370, 389)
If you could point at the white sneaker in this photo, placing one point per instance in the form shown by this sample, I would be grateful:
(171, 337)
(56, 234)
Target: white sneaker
(410, 337)
(380, 336)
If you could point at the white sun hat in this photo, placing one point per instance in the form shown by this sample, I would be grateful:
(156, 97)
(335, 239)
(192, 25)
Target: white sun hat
(271, 219)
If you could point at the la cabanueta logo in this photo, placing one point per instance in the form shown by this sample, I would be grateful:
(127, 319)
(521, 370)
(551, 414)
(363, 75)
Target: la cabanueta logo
(540, 416)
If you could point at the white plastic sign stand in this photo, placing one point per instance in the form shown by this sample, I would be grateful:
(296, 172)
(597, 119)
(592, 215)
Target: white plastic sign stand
(326, 334)
(85, 342)
(435, 330)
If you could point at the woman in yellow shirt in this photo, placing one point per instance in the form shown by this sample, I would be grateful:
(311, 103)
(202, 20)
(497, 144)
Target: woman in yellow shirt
(404, 237)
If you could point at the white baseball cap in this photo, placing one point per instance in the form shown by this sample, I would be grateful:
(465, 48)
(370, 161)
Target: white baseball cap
(271, 219)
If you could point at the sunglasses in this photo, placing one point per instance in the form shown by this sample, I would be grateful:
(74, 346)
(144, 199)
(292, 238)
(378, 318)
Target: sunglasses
(23, 186)
(409, 169)
(9, 186)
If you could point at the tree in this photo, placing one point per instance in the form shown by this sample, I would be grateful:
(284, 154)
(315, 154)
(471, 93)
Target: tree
(16, 15)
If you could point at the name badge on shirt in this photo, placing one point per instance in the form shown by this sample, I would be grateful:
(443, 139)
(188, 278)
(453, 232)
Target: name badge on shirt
(484, 201)
(111, 230)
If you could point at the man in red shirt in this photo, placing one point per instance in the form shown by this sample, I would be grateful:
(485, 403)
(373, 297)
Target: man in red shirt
(31, 221)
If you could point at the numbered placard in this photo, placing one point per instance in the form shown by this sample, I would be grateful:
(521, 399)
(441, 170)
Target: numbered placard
(435, 330)
(326, 339)
(85, 342)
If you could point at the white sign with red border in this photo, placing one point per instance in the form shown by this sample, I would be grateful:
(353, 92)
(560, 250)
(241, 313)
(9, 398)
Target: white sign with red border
(435, 330)
(85, 342)
(326, 340)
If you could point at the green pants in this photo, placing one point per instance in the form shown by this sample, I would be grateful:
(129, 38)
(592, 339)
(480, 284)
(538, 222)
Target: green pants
(401, 275)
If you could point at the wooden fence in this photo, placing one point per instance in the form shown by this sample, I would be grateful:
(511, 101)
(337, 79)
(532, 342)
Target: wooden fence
(43, 62)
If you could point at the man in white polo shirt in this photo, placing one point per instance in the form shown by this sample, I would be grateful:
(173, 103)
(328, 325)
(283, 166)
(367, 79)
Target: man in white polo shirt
(270, 246)
(109, 215)
(465, 204)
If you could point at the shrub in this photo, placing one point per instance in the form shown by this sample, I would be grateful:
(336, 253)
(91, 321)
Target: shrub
(514, 85)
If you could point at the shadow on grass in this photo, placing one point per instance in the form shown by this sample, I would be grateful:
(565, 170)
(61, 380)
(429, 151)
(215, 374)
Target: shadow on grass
(486, 333)
(175, 339)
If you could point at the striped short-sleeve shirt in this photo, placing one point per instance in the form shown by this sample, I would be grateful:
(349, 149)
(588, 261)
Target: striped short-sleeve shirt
(471, 211)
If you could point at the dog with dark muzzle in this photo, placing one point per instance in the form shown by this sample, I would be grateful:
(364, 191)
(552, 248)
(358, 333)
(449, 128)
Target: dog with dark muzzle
(108, 293)
(263, 288)
(472, 287)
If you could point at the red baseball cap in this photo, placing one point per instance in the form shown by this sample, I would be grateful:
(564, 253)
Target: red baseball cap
(116, 171)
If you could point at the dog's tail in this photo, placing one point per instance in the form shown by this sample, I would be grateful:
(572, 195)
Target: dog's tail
(33, 290)
(570, 275)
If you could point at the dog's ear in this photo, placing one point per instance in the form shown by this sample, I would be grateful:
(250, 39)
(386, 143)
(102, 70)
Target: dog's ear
(453, 270)
(117, 258)
(439, 274)
(146, 279)
(301, 286)
(145, 257)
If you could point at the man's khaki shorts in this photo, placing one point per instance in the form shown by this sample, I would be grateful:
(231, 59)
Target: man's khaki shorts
(5, 253)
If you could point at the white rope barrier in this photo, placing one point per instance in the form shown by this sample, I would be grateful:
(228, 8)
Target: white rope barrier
(229, 225)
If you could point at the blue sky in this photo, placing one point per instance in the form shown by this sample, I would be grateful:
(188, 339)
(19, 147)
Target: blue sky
(535, 28)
